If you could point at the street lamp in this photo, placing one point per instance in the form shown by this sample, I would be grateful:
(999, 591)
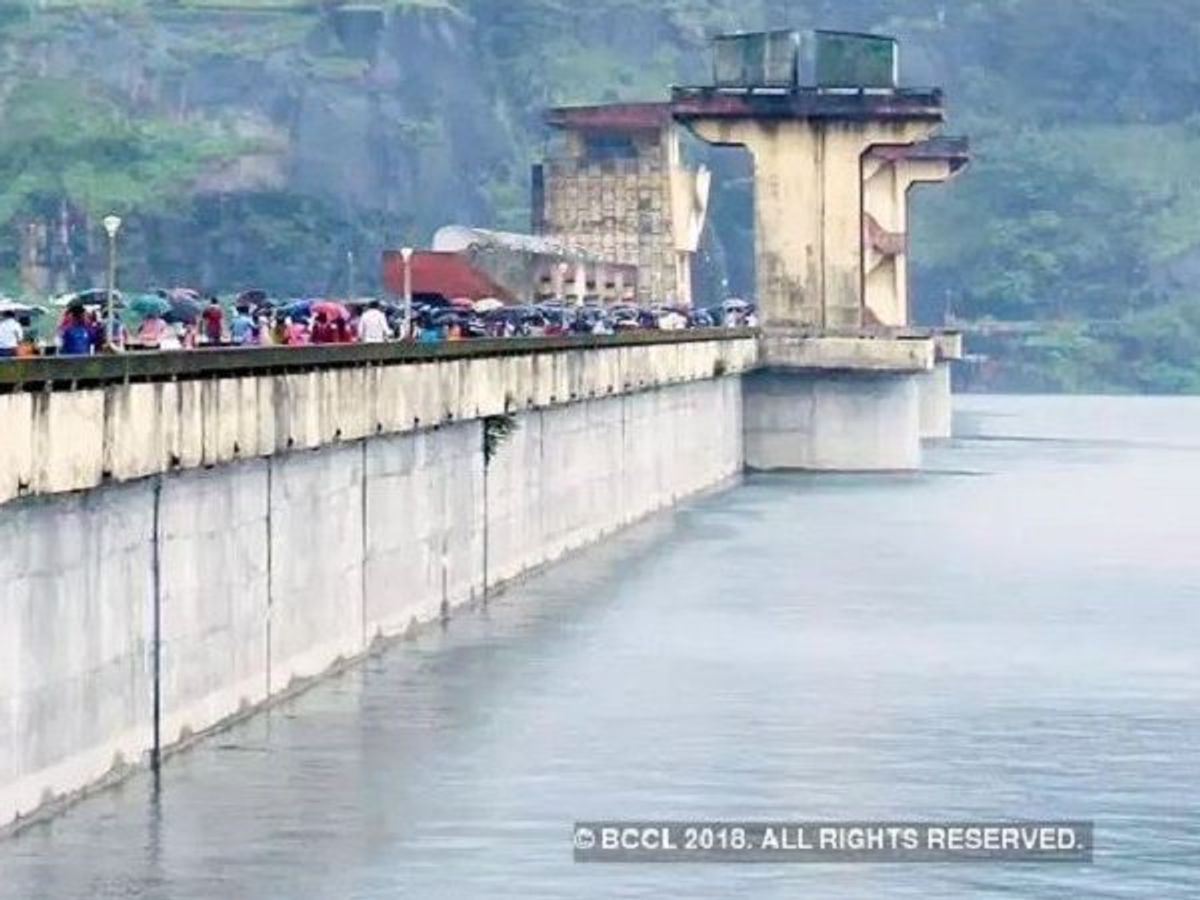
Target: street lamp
(406, 254)
(112, 224)
(562, 281)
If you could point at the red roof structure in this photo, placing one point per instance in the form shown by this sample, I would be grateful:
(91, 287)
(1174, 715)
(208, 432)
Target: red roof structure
(446, 274)
(611, 117)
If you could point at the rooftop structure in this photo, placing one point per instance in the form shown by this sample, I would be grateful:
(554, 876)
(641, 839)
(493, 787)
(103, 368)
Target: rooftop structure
(477, 262)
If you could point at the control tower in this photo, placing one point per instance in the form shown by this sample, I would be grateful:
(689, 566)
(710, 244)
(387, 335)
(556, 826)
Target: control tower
(836, 144)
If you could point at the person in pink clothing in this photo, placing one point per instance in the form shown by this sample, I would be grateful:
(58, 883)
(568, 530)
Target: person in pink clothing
(294, 333)
(151, 331)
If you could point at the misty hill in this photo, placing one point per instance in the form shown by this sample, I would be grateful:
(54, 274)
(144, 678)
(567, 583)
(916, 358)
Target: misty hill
(256, 142)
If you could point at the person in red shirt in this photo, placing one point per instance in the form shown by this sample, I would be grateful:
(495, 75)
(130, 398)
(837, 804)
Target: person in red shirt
(323, 331)
(214, 320)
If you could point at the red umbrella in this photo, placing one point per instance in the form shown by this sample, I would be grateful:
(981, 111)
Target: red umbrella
(332, 309)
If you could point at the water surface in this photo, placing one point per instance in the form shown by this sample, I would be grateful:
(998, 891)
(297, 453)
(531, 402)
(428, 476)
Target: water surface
(1014, 633)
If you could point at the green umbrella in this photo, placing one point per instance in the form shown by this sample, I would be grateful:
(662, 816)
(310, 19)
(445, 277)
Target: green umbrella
(149, 305)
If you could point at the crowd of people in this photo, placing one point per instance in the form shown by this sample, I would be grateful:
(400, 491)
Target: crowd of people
(157, 322)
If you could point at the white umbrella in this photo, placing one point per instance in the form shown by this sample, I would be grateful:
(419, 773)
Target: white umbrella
(487, 304)
(8, 305)
(93, 297)
(734, 303)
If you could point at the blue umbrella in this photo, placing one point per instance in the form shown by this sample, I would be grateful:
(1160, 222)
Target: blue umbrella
(298, 309)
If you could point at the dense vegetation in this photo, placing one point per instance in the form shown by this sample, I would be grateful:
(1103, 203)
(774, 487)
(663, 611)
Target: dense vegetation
(1080, 212)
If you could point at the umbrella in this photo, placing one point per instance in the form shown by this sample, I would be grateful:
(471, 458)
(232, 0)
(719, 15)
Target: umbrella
(184, 293)
(252, 297)
(7, 305)
(734, 303)
(488, 304)
(332, 309)
(94, 297)
(183, 311)
(149, 305)
(298, 309)
(462, 303)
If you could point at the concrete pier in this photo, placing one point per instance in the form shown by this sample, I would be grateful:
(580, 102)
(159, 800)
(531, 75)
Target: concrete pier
(847, 403)
(936, 402)
(838, 421)
(934, 385)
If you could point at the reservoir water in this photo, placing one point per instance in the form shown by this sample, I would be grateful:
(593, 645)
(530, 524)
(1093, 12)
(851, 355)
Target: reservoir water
(1012, 634)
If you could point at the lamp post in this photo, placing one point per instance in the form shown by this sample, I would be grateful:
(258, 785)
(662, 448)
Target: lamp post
(112, 224)
(406, 254)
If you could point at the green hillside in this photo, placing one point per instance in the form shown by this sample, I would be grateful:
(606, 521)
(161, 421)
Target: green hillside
(257, 141)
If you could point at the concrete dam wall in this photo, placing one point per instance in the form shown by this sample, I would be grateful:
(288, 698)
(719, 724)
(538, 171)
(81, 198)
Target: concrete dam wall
(244, 533)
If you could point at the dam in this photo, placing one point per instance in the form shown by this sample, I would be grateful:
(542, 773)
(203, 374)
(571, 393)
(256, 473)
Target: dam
(188, 536)
(190, 547)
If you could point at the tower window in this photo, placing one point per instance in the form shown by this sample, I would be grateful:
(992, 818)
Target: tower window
(602, 147)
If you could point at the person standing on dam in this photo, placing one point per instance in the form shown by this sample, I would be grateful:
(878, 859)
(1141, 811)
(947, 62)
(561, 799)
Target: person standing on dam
(323, 331)
(214, 321)
(373, 327)
(242, 329)
(78, 336)
(10, 333)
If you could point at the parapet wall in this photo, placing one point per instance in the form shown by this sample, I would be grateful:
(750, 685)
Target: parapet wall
(160, 413)
(210, 565)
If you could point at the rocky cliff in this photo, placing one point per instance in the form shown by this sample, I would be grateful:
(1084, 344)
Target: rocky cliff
(277, 140)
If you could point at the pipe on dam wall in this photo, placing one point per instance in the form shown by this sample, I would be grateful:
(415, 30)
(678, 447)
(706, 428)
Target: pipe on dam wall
(138, 614)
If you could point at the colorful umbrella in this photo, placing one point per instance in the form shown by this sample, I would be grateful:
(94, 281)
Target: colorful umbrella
(298, 309)
(254, 297)
(332, 309)
(149, 305)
